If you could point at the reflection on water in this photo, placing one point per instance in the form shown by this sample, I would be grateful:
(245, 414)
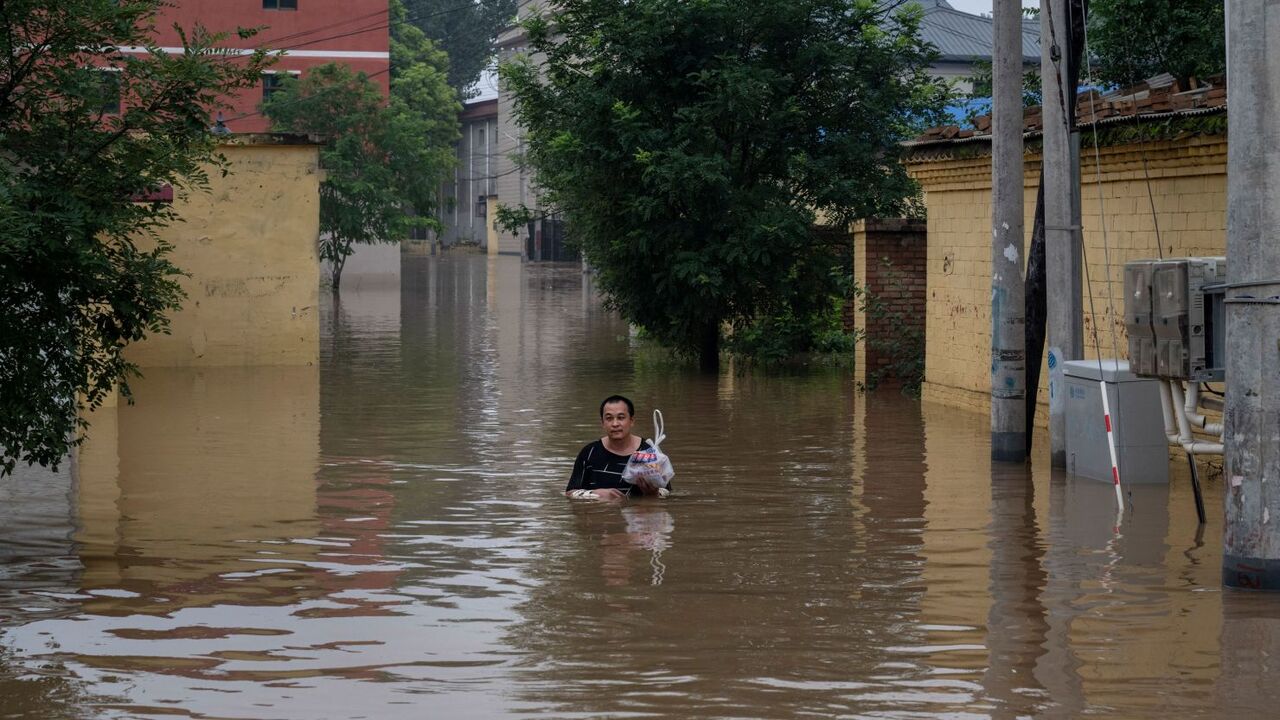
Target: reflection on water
(384, 536)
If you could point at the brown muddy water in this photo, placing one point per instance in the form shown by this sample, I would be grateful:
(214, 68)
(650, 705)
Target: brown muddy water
(383, 536)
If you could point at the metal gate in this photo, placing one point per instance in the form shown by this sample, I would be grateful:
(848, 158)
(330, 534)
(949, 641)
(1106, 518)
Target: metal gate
(546, 242)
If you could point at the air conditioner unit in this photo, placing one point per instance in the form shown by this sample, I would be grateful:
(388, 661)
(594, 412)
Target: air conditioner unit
(1175, 317)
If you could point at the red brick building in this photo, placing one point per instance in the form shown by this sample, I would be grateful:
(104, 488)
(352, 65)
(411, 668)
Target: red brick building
(308, 32)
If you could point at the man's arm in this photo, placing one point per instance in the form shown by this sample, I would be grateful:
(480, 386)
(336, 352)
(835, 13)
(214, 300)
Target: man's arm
(579, 474)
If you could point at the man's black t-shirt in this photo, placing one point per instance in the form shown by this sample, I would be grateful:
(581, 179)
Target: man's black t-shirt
(598, 468)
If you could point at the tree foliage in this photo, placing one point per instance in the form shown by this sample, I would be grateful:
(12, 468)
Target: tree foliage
(463, 30)
(1133, 40)
(692, 145)
(85, 127)
(384, 158)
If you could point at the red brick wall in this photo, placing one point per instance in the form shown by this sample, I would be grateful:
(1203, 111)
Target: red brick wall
(352, 32)
(893, 271)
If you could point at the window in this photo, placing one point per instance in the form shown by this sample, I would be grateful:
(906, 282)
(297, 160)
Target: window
(273, 82)
(480, 137)
(107, 92)
(279, 4)
(482, 206)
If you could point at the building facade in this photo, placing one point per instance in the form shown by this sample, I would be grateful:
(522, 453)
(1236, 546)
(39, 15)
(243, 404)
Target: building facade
(465, 197)
(515, 182)
(306, 33)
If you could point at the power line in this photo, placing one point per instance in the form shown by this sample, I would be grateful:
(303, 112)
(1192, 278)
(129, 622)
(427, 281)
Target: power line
(408, 19)
(312, 31)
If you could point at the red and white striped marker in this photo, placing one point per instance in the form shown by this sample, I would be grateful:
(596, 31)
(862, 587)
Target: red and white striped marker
(1111, 445)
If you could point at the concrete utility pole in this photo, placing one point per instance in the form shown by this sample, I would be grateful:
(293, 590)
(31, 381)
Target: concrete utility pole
(1062, 234)
(1251, 534)
(1008, 314)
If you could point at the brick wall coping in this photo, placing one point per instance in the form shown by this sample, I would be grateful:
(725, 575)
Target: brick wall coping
(982, 141)
(270, 138)
(892, 225)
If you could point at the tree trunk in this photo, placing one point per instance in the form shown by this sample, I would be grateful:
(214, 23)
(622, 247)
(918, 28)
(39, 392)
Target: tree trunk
(336, 277)
(709, 349)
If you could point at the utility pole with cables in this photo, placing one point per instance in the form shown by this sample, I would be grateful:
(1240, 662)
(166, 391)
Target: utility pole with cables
(1062, 233)
(1251, 532)
(1008, 314)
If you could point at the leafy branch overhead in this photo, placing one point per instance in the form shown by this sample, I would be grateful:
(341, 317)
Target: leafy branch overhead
(84, 127)
(692, 145)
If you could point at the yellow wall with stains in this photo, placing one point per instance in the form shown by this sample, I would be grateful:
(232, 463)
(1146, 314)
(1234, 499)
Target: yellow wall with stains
(248, 247)
(1189, 190)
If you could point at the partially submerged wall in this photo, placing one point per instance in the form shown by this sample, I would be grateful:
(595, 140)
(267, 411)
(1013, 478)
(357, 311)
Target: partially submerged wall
(1188, 187)
(248, 247)
(890, 261)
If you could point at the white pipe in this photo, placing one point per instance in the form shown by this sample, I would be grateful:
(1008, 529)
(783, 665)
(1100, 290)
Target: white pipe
(1194, 401)
(1199, 447)
(1210, 402)
(1166, 408)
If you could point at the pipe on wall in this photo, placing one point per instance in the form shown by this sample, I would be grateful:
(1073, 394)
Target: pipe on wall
(1188, 443)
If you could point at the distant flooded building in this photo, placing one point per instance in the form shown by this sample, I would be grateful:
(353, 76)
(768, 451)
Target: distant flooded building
(466, 197)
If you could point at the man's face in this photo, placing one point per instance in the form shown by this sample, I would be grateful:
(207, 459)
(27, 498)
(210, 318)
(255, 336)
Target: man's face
(616, 421)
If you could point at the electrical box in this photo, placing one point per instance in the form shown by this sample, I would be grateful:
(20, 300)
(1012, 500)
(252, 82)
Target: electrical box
(1175, 319)
(1137, 423)
(1137, 317)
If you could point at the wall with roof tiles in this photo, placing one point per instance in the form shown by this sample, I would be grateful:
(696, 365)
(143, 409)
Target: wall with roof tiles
(1187, 188)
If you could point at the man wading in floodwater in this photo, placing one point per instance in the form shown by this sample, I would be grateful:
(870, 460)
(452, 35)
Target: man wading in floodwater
(597, 473)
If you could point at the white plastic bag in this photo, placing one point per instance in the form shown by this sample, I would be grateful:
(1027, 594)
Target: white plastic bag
(652, 465)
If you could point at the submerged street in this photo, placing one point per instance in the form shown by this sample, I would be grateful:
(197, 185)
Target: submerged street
(384, 535)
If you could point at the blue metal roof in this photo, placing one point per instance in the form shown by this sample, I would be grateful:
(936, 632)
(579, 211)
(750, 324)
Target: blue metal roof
(961, 36)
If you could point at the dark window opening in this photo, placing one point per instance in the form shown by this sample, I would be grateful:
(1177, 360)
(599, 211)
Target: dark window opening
(279, 4)
(107, 93)
(272, 83)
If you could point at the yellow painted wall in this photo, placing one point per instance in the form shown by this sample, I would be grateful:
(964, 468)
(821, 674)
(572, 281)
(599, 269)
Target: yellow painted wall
(1189, 187)
(249, 248)
(215, 456)
(491, 225)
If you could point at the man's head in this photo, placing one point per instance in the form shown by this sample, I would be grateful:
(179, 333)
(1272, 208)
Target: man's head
(617, 415)
(615, 399)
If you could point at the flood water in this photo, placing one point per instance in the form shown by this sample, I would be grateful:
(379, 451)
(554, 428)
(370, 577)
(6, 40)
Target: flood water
(384, 536)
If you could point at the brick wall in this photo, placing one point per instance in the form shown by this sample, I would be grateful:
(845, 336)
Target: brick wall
(890, 262)
(1188, 184)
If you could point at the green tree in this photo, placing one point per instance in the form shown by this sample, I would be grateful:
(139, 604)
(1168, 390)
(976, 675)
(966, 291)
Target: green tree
(1135, 39)
(463, 30)
(384, 158)
(691, 146)
(85, 127)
